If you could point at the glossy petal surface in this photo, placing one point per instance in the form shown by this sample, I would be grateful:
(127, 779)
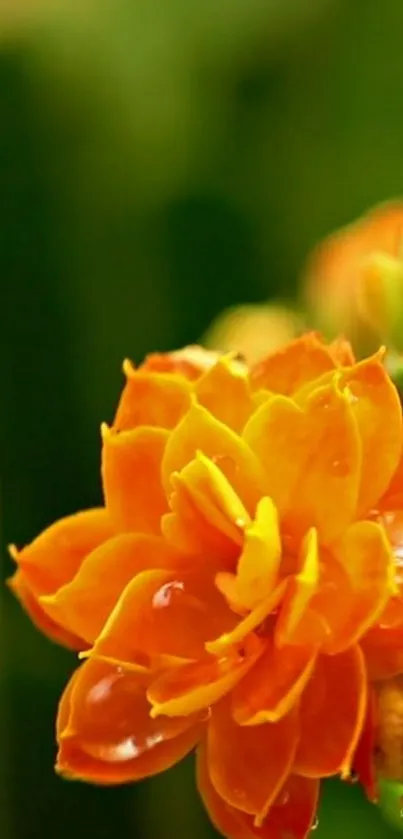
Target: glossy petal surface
(248, 765)
(332, 714)
(312, 458)
(292, 813)
(84, 605)
(106, 734)
(273, 686)
(164, 612)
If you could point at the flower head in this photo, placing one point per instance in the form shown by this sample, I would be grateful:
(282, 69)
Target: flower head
(240, 590)
(354, 278)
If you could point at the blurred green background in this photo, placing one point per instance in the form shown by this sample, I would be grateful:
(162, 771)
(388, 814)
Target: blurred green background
(159, 161)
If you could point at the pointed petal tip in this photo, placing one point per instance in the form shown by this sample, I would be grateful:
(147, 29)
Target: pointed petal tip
(13, 552)
(106, 432)
(128, 368)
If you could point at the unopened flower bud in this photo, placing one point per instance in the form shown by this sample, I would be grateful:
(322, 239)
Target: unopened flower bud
(380, 296)
(354, 279)
(253, 330)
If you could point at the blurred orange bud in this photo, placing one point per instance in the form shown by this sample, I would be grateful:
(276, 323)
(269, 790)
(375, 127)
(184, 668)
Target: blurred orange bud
(354, 279)
(380, 295)
(254, 331)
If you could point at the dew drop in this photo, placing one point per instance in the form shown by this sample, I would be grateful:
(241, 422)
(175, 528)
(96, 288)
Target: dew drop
(163, 597)
(283, 798)
(340, 468)
(315, 824)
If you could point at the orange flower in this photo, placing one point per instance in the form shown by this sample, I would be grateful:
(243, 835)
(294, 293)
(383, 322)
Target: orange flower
(354, 278)
(241, 588)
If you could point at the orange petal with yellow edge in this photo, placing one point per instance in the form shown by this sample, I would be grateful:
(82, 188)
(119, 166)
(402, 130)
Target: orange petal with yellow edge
(105, 732)
(39, 618)
(224, 391)
(131, 474)
(312, 459)
(286, 370)
(255, 617)
(249, 765)
(291, 814)
(164, 612)
(195, 686)
(366, 561)
(200, 431)
(332, 715)
(273, 685)
(151, 398)
(83, 605)
(377, 411)
(207, 516)
(54, 557)
(258, 565)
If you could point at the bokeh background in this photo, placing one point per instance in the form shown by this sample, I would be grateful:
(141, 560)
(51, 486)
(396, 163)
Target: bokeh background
(160, 160)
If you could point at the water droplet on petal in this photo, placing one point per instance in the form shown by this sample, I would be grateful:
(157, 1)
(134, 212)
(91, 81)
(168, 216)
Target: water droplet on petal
(283, 798)
(340, 468)
(163, 597)
(315, 824)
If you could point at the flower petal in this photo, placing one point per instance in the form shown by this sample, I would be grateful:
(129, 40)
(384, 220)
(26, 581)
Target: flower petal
(106, 734)
(195, 686)
(54, 557)
(200, 431)
(207, 516)
(288, 369)
(365, 558)
(164, 612)
(377, 411)
(300, 590)
(84, 604)
(131, 474)
(224, 391)
(248, 765)
(257, 616)
(190, 361)
(312, 459)
(39, 618)
(258, 564)
(151, 398)
(332, 714)
(273, 686)
(292, 813)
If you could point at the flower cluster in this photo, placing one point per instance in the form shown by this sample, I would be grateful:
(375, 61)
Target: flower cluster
(239, 590)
